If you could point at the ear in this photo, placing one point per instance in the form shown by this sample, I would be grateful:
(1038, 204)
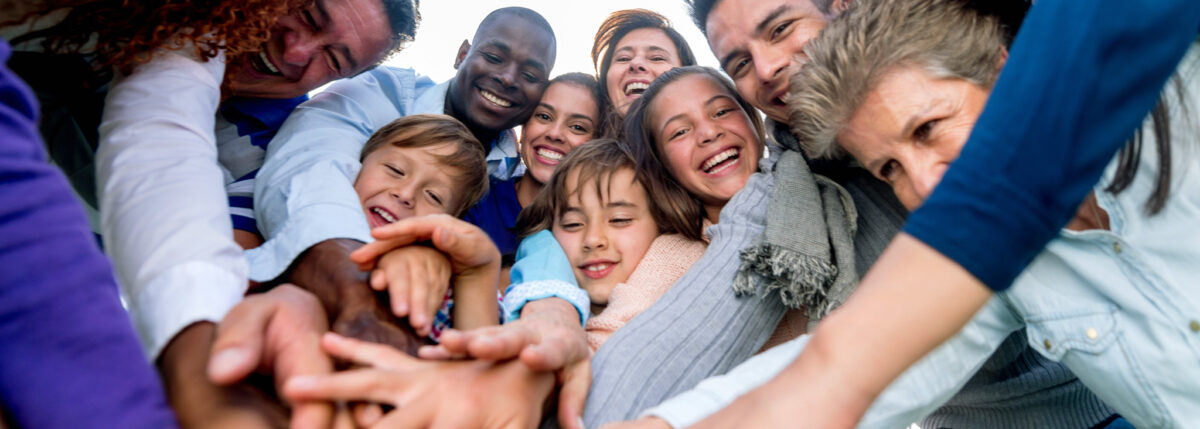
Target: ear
(1003, 59)
(838, 6)
(462, 53)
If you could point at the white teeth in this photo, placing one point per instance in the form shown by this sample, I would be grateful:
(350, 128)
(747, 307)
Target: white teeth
(549, 154)
(267, 62)
(718, 158)
(635, 86)
(384, 214)
(494, 99)
(598, 267)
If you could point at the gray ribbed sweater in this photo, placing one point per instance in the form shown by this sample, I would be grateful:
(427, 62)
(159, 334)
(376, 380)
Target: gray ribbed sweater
(700, 329)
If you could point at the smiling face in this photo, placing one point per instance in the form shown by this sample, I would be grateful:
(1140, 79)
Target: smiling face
(565, 118)
(638, 58)
(706, 140)
(323, 41)
(605, 236)
(501, 78)
(401, 182)
(760, 43)
(910, 127)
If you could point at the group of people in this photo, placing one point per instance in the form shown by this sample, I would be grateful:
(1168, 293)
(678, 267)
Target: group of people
(953, 213)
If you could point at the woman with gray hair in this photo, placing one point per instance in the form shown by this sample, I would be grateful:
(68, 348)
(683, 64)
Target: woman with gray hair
(900, 86)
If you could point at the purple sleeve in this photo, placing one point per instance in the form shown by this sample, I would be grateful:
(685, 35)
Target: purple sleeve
(68, 355)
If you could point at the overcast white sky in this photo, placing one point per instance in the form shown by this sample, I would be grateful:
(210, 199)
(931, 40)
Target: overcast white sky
(446, 23)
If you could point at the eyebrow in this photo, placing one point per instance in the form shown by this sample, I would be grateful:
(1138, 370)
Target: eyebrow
(911, 123)
(762, 26)
(349, 56)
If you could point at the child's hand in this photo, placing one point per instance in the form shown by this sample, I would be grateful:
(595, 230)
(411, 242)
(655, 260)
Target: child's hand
(416, 278)
(471, 253)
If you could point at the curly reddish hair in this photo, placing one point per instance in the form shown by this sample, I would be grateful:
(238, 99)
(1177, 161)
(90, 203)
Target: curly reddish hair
(126, 32)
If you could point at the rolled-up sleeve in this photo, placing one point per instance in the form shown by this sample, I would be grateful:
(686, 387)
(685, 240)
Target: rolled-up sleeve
(163, 208)
(1081, 78)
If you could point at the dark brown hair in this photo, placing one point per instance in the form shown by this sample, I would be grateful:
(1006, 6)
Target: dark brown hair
(611, 31)
(644, 145)
(418, 131)
(596, 162)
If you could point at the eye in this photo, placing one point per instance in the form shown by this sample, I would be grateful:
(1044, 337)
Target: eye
(621, 59)
(308, 19)
(492, 58)
(888, 169)
(722, 112)
(437, 200)
(396, 171)
(780, 29)
(531, 78)
(738, 67)
(621, 221)
(923, 131)
(579, 129)
(542, 116)
(658, 59)
(333, 61)
(678, 133)
(570, 226)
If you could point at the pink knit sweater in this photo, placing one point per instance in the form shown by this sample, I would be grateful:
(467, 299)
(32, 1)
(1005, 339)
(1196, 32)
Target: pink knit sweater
(667, 259)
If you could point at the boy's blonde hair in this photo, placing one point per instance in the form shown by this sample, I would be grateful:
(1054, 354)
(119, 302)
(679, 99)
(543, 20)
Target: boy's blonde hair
(595, 162)
(418, 131)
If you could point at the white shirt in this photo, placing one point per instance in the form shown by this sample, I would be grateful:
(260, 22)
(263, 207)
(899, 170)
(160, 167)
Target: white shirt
(163, 209)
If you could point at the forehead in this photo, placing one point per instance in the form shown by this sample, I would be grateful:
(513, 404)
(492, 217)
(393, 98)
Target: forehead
(731, 24)
(567, 97)
(688, 93)
(600, 186)
(519, 35)
(646, 37)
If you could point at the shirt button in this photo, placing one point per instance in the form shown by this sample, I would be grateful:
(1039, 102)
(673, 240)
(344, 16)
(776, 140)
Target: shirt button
(1117, 247)
(1195, 325)
(1047, 343)
(1092, 334)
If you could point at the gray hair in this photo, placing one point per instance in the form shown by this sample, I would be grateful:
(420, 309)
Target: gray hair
(873, 37)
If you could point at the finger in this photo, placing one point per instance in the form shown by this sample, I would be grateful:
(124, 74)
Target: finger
(366, 414)
(378, 280)
(503, 342)
(439, 283)
(438, 353)
(351, 385)
(555, 350)
(398, 291)
(342, 418)
(237, 350)
(311, 415)
(400, 233)
(575, 380)
(365, 353)
(418, 298)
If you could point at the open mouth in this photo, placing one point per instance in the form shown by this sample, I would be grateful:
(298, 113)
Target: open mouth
(598, 270)
(262, 64)
(636, 88)
(549, 156)
(383, 214)
(494, 99)
(721, 161)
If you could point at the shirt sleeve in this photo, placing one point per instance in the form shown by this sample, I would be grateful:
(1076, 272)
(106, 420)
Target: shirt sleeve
(163, 209)
(304, 192)
(64, 338)
(1081, 78)
(542, 271)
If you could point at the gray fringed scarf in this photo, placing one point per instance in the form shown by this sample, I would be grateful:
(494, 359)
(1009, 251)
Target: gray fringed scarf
(807, 249)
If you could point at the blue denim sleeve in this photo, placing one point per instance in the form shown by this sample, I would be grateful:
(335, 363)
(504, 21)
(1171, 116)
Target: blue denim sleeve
(1081, 78)
(542, 271)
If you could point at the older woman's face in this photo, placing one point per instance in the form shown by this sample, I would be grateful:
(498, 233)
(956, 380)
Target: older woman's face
(638, 58)
(910, 127)
(707, 141)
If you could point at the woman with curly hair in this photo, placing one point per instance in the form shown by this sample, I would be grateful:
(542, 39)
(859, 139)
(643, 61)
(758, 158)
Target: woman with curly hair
(199, 89)
(631, 48)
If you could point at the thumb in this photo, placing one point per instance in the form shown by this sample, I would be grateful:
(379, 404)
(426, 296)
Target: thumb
(237, 351)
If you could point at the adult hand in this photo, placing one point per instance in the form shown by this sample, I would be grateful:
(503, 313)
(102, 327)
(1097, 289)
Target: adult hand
(547, 337)
(649, 422)
(478, 394)
(416, 278)
(354, 309)
(276, 334)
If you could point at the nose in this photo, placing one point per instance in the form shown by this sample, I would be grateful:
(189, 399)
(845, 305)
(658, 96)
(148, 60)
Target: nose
(299, 47)
(925, 174)
(555, 133)
(637, 63)
(594, 237)
(769, 62)
(406, 195)
(708, 132)
(507, 75)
